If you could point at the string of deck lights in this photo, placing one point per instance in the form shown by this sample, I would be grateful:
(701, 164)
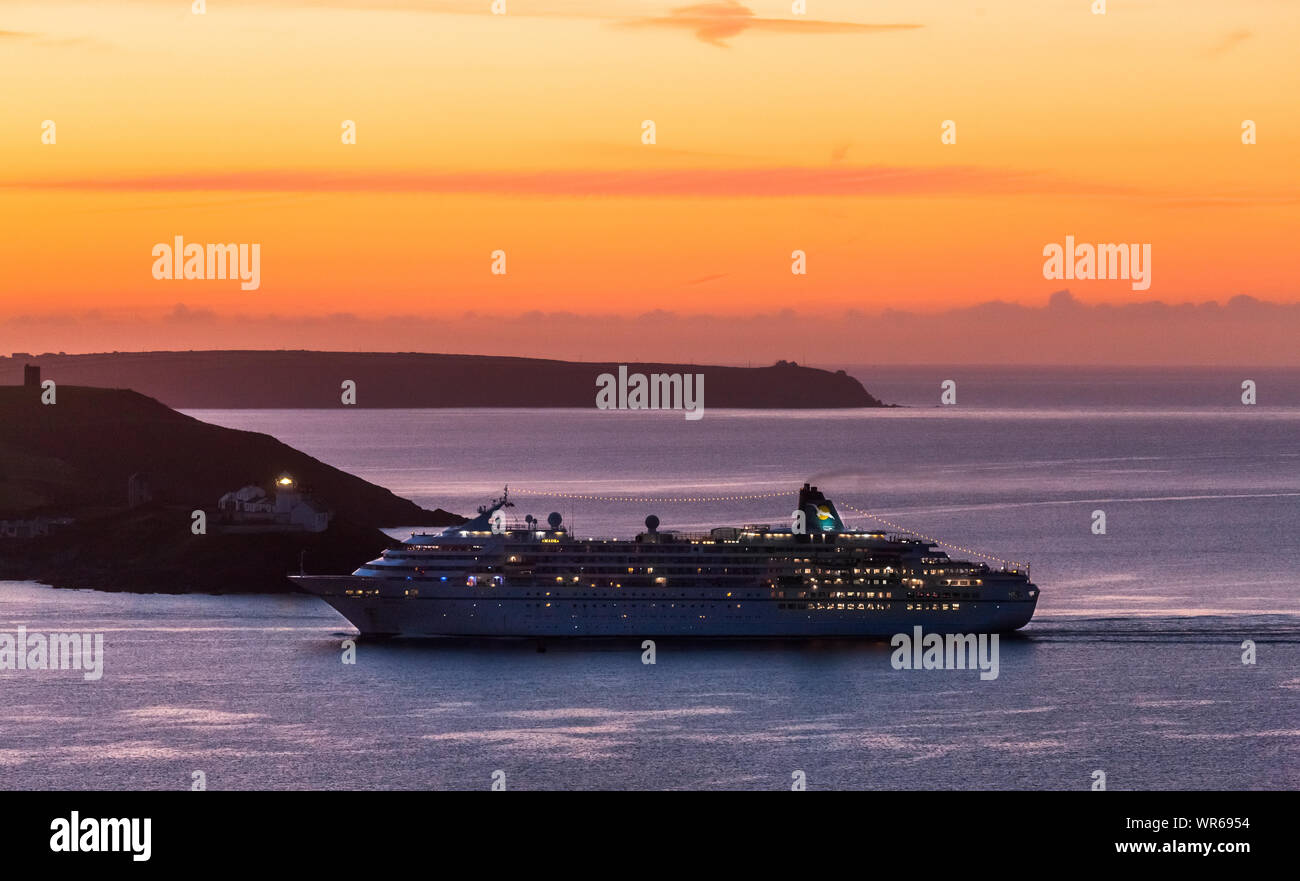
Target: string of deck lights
(932, 539)
(753, 496)
(586, 497)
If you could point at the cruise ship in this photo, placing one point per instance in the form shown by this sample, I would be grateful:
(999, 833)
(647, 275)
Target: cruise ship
(493, 578)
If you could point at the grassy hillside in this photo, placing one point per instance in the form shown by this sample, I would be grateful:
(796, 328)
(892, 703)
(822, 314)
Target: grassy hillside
(80, 452)
(74, 458)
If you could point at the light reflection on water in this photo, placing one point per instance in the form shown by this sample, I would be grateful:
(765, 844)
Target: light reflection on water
(1156, 702)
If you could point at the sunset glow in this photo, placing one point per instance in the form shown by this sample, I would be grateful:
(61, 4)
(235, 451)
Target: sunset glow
(522, 132)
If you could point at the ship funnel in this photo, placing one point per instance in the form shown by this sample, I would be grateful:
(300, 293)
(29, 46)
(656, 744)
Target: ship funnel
(819, 511)
(483, 522)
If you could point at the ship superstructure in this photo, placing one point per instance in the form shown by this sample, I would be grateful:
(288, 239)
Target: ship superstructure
(488, 577)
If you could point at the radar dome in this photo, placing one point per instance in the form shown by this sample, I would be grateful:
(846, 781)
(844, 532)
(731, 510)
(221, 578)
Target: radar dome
(652, 523)
(554, 519)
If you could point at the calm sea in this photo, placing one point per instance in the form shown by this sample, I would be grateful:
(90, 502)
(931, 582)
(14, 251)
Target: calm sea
(1133, 665)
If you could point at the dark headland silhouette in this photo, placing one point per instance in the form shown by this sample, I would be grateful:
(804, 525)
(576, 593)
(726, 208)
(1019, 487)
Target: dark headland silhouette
(98, 488)
(109, 479)
(291, 379)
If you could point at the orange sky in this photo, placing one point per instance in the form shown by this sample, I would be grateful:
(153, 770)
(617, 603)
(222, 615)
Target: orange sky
(522, 132)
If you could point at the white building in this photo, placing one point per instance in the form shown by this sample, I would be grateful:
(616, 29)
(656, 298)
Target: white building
(287, 508)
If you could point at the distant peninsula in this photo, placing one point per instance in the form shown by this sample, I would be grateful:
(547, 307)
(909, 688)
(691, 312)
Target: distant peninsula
(98, 490)
(307, 379)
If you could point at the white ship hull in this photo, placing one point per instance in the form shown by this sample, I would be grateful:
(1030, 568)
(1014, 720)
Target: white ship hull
(598, 613)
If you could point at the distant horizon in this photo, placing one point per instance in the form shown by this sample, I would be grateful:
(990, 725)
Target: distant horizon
(830, 366)
(462, 175)
(1063, 331)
